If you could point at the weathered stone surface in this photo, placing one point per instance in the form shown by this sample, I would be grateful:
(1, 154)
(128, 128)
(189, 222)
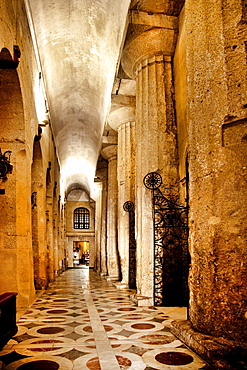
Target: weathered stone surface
(218, 295)
(219, 352)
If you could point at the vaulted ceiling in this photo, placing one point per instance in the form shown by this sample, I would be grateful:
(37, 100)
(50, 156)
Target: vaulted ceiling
(78, 44)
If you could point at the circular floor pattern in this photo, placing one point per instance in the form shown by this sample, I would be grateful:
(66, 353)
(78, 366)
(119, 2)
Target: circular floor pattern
(37, 346)
(87, 344)
(134, 316)
(172, 359)
(85, 319)
(8, 348)
(82, 311)
(154, 340)
(31, 312)
(103, 310)
(26, 321)
(50, 330)
(41, 363)
(55, 320)
(87, 329)
(126, 309)
(57, 311)
(143, 326)
(126, 361)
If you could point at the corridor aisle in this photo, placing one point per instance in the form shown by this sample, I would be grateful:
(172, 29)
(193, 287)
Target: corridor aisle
(83, 322)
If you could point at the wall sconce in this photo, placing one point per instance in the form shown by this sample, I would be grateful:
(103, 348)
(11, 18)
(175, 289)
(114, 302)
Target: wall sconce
(34, 199)
(5, 166)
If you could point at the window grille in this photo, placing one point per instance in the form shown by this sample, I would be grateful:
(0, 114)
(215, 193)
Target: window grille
(81, 218)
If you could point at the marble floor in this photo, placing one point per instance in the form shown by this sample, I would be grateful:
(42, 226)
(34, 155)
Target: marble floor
(83, 322)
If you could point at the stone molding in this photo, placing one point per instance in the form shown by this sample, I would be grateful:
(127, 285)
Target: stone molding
(109, 152)
(158, 41)
(120, 116)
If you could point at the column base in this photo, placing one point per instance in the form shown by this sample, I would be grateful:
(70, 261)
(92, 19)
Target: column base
(120, 285)
(112, 278)
(218, 352)
(141, 300)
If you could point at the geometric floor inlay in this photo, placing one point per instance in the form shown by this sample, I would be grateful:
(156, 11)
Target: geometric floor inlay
(82, 322)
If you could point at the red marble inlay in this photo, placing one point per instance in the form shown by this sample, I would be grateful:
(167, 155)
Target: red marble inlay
(51, 330)
(134, 316)
(47, 349)
(143, 326)
(157, 339)
(93, 364)
(39, 365)
(45, 341)
(57, 311)
(88, 329)
(124, 362)
(108, 327)
(174, 358)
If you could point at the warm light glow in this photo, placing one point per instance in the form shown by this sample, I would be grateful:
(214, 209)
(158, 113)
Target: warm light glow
(39, 101)
(78, 170)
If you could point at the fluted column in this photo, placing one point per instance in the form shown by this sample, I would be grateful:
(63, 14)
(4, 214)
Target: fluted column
(147, 58)
(110, 153)
(103, 244)
(123, 120)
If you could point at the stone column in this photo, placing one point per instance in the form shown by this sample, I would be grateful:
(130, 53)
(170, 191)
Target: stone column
(110, 153)
(216, 78)
(147, 58)
(98, 221)
(103, 243)
(123, 121)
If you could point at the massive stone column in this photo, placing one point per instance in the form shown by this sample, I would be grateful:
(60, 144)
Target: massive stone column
(217, 129)
(122, 120)
(217, 140)
(110, 153)
(97, 196)
(148, 59)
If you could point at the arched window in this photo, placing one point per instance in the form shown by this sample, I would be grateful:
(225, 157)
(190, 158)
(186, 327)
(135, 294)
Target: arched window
(81, 218)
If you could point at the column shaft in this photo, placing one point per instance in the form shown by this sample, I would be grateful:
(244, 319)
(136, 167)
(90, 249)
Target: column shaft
(156, 151)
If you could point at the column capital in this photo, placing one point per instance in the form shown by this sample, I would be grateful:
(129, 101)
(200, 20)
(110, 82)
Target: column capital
(154, 42)
(109, 152)
(120, 116)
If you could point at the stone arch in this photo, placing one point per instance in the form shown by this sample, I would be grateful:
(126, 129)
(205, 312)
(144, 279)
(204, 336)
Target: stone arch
(38, 219)
(15, 248)
(49, 223)
(55, 229)
(12, 124)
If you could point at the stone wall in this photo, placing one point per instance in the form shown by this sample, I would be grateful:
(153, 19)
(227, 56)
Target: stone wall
(22, 100)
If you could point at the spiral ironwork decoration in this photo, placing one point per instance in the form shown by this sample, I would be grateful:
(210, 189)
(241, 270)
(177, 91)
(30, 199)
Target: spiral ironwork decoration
(171, 257)
(128, 206)
(152, 180)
